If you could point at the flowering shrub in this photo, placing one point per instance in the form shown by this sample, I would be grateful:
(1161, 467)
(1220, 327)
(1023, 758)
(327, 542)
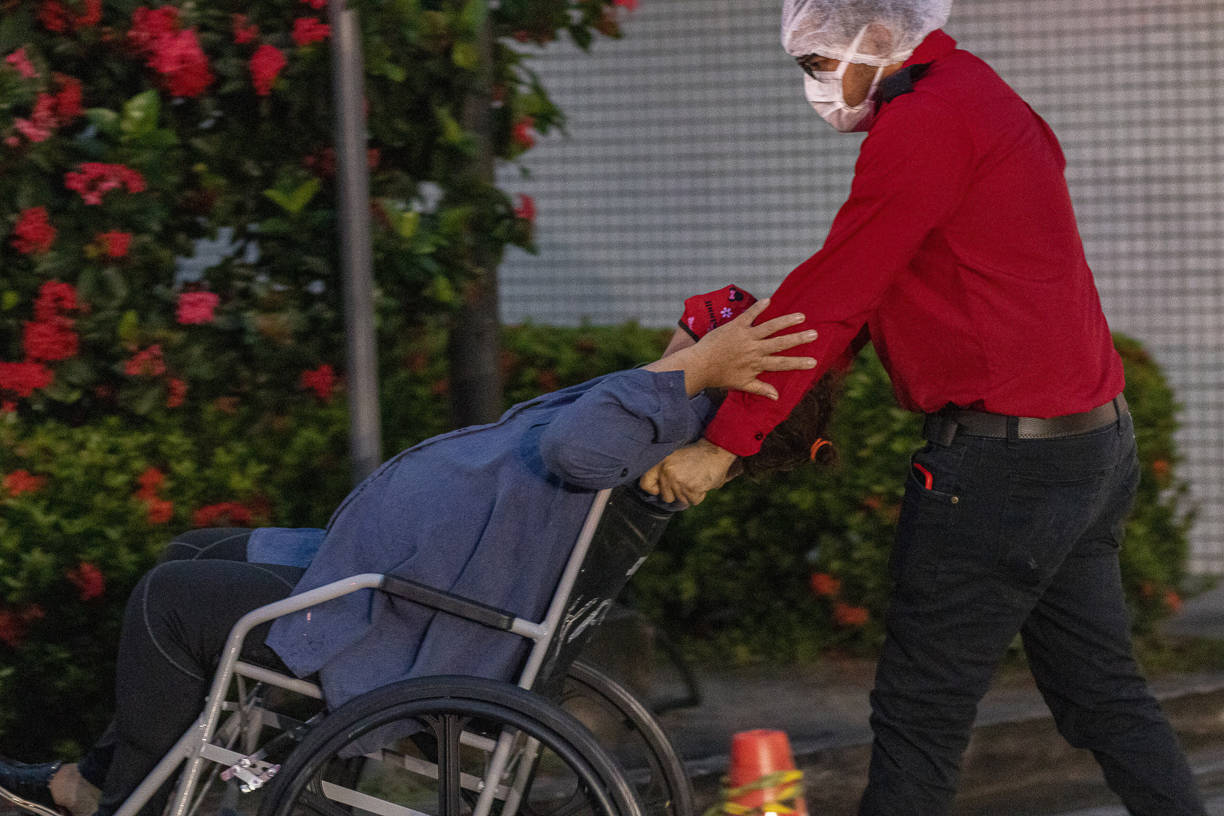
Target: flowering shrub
(127, 131)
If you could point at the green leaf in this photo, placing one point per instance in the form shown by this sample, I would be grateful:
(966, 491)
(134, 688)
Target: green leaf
(9, 299)
(295, 200)
(105, 120)
(406, 223)
(129, 327)
(140, 115)
(452, 131)
(465, 55)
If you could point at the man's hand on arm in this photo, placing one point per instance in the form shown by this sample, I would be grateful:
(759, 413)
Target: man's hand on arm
(689, 473)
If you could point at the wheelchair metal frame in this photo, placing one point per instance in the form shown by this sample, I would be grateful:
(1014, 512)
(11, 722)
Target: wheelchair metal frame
(196, 746)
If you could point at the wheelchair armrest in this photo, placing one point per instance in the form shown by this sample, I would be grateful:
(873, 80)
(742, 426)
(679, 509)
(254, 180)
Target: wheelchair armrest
(446, 602)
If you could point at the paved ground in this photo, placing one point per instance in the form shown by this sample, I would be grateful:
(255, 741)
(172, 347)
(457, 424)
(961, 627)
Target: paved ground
(1016, 765)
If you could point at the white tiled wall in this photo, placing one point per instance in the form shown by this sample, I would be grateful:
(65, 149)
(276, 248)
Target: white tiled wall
(693, 160)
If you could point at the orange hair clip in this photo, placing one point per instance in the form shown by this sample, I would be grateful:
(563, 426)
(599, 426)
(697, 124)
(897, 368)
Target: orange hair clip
(817, 445)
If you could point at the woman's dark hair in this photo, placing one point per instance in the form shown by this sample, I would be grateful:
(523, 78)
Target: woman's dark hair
(791, 442)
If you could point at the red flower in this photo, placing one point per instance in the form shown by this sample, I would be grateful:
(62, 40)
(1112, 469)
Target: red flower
(23, 378)
(825, 585)
(525, 208)
(33, 234)
(14, 624)
(58, 18)
(149, 482)
(244, 30)
(265, 64)
(182, 63)
(88, 580)
(307, 30)
(150, 25)
(847, 615)
(630, 5)
(50, 341)
(160, 510)
(316, 4)
(114, 244)
(176, 392)
(54, 298)
(1172, 600)
(225, 514)
(22, 481)
(146, 363)
(54, 16)
(68, 98)
(522, 134)
(22, 64)
(196, 307)
(321, 380)
(95, 179)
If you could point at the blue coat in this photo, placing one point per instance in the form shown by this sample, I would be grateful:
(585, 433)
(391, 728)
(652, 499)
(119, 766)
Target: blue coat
(488, 512)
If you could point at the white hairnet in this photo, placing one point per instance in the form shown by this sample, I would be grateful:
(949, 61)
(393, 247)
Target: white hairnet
(828, 27)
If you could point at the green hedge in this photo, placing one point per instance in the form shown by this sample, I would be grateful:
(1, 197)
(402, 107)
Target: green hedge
(781, 569)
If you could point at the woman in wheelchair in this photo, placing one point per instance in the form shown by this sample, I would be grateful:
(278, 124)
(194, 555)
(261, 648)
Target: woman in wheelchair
(487, 512)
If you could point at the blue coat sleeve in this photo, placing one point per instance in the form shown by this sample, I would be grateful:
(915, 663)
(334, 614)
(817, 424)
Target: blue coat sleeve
(620, 428)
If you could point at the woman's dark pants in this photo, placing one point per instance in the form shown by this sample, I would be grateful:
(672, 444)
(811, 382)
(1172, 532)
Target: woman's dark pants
(1016, 536)
(174, 629)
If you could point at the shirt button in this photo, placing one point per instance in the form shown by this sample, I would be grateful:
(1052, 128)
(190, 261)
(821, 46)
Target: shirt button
(624, 472)
(759, 435)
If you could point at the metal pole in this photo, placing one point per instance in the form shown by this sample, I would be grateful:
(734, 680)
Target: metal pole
(353, 183)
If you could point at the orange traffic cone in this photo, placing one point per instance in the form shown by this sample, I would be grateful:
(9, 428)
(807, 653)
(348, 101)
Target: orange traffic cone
(762, 779)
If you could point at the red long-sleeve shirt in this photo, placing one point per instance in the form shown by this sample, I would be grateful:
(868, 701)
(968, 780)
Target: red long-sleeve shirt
(958, 249)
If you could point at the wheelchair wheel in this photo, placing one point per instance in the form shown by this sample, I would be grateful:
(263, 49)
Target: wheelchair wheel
(427, 746)
(633, 736)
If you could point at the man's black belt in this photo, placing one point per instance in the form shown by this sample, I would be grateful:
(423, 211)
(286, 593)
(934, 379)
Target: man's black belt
(943, 426)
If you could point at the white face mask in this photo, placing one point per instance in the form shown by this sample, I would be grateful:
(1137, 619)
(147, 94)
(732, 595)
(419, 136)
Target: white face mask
(827, 97)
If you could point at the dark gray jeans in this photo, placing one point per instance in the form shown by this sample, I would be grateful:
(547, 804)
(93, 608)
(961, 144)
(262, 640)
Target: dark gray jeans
(175, 626)
(1016, 536)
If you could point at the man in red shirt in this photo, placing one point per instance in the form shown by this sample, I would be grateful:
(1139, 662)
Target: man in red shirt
(957, 253)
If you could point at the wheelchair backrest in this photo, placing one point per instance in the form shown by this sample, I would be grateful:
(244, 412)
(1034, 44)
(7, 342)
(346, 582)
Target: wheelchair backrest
(627, 531)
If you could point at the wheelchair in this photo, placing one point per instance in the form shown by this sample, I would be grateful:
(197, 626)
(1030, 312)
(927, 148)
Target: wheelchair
(444, 745)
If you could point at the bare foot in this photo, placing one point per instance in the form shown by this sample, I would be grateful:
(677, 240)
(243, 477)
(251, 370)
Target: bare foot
(70, 790)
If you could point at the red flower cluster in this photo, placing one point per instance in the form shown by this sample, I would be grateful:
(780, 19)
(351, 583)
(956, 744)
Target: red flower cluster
(50, 112)
(173, 52)
(114, 244)
(88, 580)
(146, 363)
(825, 585)
(525, 208)
(224, 514)
(160, 510)
(630, 5)
(522, 133)
(95, 179)
(196, 308)
(176, 392)
(50, 335)
(50, 341)
(307, 30)
(22, 481)
(33, 233)
(265, 64)
(21, 63)
(244, 30)
(15, 623)
(22, 379)
(317, 5)
(59, 19)
(847, 615)
(321, 380)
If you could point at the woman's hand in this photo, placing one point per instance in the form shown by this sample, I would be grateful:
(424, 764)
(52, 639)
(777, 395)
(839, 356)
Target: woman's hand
(732, 355)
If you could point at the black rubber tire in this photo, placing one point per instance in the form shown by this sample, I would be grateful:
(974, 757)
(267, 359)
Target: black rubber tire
(662, 786)
(598, 777)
